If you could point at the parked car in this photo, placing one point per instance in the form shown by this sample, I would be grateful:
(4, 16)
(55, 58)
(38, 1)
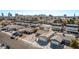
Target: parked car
(3, 29)
(4, 46)
(15, 34)
(7, 47)
(12, 37)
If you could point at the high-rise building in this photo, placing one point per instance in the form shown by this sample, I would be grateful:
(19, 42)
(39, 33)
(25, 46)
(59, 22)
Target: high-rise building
(2, 14)
(65, 15)
(74, 17)
(16, 14)
(9, 14)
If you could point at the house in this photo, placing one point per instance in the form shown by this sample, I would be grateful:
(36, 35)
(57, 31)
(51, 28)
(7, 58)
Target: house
(28, 30)
(45, 27)
(13, 27)
(44, 38)
(55, 42)
(39, 32)
(56, 45)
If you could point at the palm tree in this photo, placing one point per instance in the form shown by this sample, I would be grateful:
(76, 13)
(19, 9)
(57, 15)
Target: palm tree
(63, 29)
(63, 25)
(2, 16)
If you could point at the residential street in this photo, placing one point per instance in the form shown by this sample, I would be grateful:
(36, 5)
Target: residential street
(15, 44)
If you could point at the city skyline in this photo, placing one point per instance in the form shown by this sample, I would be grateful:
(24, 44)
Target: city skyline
(38, 12)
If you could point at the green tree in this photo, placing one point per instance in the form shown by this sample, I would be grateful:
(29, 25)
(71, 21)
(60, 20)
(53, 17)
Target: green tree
(78, 28)
(74, 43)
(72, 21)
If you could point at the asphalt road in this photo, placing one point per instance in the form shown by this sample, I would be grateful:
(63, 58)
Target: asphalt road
(15, 44)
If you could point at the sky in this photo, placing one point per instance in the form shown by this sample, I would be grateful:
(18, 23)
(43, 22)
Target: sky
(38, 12)
(36, 7)
(39, 4)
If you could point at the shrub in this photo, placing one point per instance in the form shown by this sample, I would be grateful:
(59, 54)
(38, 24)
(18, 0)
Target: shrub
(74, 43)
